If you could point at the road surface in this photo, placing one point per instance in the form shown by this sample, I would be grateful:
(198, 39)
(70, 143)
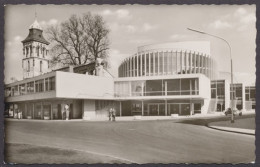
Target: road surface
(137, 141)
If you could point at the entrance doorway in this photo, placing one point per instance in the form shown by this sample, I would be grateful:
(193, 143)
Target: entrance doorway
(156, 109)
(179, 108)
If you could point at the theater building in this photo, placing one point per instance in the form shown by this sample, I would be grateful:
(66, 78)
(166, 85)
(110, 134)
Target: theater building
(178, 78)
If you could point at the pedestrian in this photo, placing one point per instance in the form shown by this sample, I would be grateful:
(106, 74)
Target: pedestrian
(110, 113)
(114, 114)
(67, 111)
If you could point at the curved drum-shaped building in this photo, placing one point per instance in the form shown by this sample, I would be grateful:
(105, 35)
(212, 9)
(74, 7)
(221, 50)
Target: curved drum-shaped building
(170, 59)
(166, 79)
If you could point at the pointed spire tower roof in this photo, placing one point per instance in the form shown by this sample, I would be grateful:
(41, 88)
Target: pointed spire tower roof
(36, 25)
(35, 33)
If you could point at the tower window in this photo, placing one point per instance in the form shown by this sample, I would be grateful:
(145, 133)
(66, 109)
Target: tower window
(40, 66)
(38, 52)
(33, 62)
(28, 66)
(31, 51)
(27, 51)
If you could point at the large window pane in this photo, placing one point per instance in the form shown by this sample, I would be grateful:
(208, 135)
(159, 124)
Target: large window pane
(52, 83)
(136, 87)
(173, 87)
(154, 88)
(185, 86)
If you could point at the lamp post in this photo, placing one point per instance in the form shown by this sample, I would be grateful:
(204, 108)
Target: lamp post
(231, 64)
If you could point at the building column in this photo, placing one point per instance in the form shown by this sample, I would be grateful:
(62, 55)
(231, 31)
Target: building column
(163, 62)
(185, 61)
(153, 63)
(142, 88)
(120, 108)
(131, 69)
(166, 107)
(181, 61)
(33, 110)
(243, 97)
(144, 64)
(25, 110)
(149, 65)
(137, 66)
(42, 111)
(133, 66)
(142, 108)
(191, 108)
(51, 117)
(141, 64)
(165, 88)
(158, 57)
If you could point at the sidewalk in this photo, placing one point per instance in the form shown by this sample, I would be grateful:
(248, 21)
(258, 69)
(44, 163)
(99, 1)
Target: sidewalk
(140, 118)
(234, 130)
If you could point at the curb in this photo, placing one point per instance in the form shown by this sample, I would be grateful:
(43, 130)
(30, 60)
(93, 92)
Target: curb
(225, 130)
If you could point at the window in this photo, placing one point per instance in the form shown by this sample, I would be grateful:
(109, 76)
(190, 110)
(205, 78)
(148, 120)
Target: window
(38, 51)
(154, 88)
(15, 90)
(46, 84)
(22, 89)
(52, 83)
(40, 66)
(39, 86)
(173, 87)
(7, 92)
(137, 88)
(28, 65)
(30, 87)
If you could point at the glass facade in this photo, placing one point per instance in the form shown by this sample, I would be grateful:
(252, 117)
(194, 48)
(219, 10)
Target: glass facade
(218, 89)
(167, 87)
(42, 85)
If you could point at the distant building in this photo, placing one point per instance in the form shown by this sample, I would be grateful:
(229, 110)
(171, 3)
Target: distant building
(159, 80)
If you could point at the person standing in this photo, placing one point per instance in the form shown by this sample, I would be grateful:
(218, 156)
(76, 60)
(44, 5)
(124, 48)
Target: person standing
(114, 114)
(67, 111)
(110, 113)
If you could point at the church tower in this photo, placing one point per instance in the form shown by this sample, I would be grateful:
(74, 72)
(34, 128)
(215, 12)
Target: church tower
(35, 52)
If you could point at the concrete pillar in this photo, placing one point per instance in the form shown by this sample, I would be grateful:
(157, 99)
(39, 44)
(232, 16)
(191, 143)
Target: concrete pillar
(145, 64)
(191, 108)
(149, 63)
(142, 107)
(185, 61)
(41, 110)
(33, 111)
(165, 88)
(141, 64)
(51, 117)
(137, 66)
(130, 69)
(153, 63)
(163, 62)
(142, 88)
(181, 62)
(134, 65)
(120, 108)
(158, 56)
(165, 107)
(243, 97)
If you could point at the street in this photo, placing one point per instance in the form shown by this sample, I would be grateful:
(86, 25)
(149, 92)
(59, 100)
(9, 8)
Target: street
(137, 141)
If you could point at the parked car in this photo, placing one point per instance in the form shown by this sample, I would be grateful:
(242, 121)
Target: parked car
(235, 112)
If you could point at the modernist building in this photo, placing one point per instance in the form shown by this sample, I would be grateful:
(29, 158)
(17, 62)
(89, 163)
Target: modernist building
(162, 79)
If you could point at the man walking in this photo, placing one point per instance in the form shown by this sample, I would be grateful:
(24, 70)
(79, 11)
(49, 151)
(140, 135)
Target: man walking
(114, 114)
(110, 112)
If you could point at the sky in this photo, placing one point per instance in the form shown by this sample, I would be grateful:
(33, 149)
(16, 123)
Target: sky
(132, 26)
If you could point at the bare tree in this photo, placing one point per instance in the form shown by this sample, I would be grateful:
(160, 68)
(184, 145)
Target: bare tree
(79, 40)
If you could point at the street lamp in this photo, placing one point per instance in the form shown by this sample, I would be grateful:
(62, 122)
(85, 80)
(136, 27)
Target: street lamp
(231, 62)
